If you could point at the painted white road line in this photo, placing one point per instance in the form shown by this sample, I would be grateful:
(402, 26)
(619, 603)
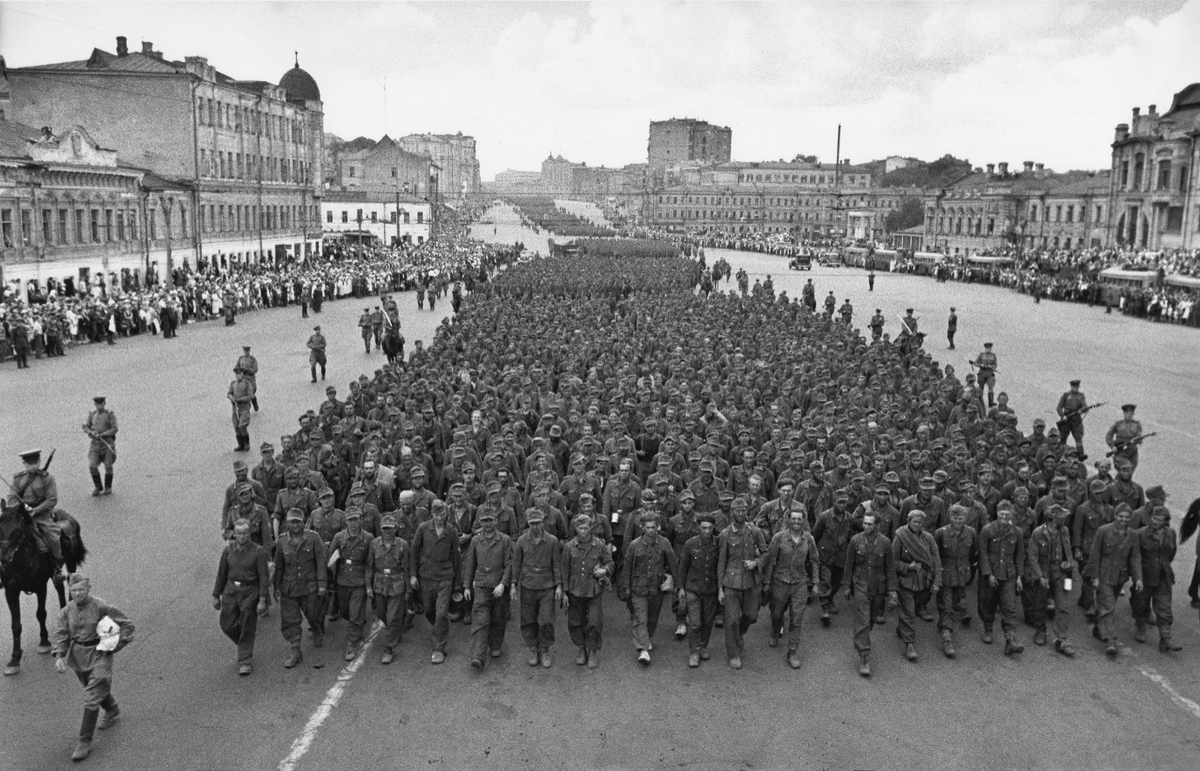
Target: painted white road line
(332, 697)
(1165, 684)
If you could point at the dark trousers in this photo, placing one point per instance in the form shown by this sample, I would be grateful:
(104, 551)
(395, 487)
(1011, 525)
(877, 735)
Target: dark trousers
(1158, 598)
(239, 619)
(952, 607)
(1002, 596)
(390, 610)
(741, 610)
(831, 581)
(1040, 599)
(1194, 586)
(790, 599)
(294, 610)
(537, 618)
(435, 596)
(97, 691)
(489, 618)
(1106, 607)
(352, 602)
(701, 614)
(585, 621)
(866, 608)
(910, 601)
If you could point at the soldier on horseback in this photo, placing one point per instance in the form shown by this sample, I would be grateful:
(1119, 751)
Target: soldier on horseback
(36, 489)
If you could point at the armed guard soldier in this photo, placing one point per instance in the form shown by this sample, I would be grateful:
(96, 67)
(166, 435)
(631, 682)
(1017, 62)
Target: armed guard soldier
(1072, 406)
(986, 363)
(1124, 437)
(101, 426)
(241, 396)
(952, 327)
(36, 488)
(249, 367)
(316, 351)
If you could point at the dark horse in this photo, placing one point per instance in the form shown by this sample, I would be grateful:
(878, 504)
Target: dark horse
(24, 568)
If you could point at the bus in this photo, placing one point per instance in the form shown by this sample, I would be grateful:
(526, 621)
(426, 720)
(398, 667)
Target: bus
(926, 263)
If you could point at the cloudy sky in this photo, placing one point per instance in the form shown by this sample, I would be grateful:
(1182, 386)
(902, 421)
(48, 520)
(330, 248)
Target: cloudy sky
(990, 81)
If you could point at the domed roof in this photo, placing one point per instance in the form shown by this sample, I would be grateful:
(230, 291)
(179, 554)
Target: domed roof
(300, 85)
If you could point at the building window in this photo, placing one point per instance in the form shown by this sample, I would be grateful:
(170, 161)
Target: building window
(108, 225)
(374, 217)
(47, 227)
(131, 218)
(63, 216)
(420, 217)
(991, 229)
(1124, 174)
(95, 225)
(6, 227)
(345, 216)
(1164, 175)
(152, 215)
(1139, 166)
(351, 171)
(183, 222)
(120, 225)
(1070, 214)
(1099, 213)
(1174, 219)
(329, 216)
(393, 172)
(1183, 179)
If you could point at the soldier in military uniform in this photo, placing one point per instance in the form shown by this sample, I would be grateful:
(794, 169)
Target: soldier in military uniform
(876, 325)
(1121, 436)
(241, 396)
(952, 327)
(1070, 409)
(249, 367)
(986, 362)
(364, 325)
(316, 351)
(101, 426)
(387, 583)
(300, 587)
(37, 489)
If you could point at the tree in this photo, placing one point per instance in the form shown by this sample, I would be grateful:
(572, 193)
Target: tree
(910, 214)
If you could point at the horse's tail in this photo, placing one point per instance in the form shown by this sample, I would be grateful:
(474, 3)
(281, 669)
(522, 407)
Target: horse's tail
(1191, 521)
(74, 552)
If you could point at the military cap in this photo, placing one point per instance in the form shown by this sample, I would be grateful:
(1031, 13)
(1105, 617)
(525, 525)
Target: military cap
(534, 515)
(457, 486)
(580, 519)
(1074, 382)
(238, 465)
(295, 515)
(706, 516)
(387, 520)
(1099, 486)
(927, 482)
(245, 487)
(325, 492)
(726, 495)
(694, 456)
(493, 486)
(317, 434)
(687, 495)
(739, 503)
(883, 489)
(815, 466)
(330, 390)
(858, 474)
(486, 514)
(353, 512)
(291, 471)
(649, 495)
(357, 489)
(1156, 491)
(708, 465)
(417, 471)
(317, 328)
(266, 447)
(98, 399)
(1038, 422)
(841, 492)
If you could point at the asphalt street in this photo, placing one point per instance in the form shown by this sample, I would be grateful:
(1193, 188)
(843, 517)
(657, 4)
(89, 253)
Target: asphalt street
(155, 543)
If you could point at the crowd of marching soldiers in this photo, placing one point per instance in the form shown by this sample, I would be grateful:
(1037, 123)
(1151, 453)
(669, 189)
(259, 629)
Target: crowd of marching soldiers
(591, 424)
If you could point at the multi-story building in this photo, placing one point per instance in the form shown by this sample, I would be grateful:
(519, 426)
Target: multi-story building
(687, 139)
(454, 156)
(994, 209)
(514, 182)
(558, 175)
(1153, 200)
(392, 219)
(69, 211)
(384, 168)
(243, 156)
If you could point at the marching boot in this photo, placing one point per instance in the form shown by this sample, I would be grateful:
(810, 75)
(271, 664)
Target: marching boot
(108, 483)
(110, 713)
(87, 730)
(864, 666)
(1011, 646)
(96, 481)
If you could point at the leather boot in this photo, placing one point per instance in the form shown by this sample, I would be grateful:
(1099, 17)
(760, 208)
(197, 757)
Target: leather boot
(87, 730)
(1167, 645)
(108, 483)
(110, 713)
(864, 666)
(1011, 646)
(96, 481)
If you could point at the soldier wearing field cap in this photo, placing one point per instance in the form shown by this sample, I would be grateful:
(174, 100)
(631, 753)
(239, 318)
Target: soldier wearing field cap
(1157, 543)
(348, 554)
(741, 555)
(791, 572)
(487, 573)
(436, 574)
(1116, 558)
(870, 569)
(300, 587)
(537, 586)
(316, 352)
(958, 551)
(1071, 407)
(241, 590)
(1123, 437)
(101, 426)
(918, 575)
(832, 533)
(241, 397)
(249, 366)
(36, 489)
(387, 577)
(587, 568)
(1050, 571)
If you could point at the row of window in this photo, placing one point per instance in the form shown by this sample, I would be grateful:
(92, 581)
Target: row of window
(245, 119)
(1064, 213)
(1164, 180)
(64, 227)
(725, 214)
(233, 218)
(230, 165)
(374, 216)
(802, 179)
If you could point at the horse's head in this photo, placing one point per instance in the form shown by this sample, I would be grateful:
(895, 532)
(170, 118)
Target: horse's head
(14, 521)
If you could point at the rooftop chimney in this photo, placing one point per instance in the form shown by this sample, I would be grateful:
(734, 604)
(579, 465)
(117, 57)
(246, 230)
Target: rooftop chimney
(1151, 110)
(1137, 111)
(991, 167)
(1028, 166)
(147, 48)
(1041, 167)
(122, 46)
(1003, 168)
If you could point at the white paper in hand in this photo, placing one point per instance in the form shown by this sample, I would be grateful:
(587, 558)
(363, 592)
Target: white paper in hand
(110, 635)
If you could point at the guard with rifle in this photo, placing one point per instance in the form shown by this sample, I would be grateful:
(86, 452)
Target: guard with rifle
(36, 489)
(986, 362)
(101, 426)
(1125, 436)
(1072, 406)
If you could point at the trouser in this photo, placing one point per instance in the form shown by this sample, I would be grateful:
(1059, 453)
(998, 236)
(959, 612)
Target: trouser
(22, 355)
(950, 337)
(1158, 598)
(585, 621)
(239, 619)
(352, 601)
(1041, 599)
(1087, 592)
(866, 608)
(390, 610)
(741, 610)
(1004, 596)
(952, 607)
(96, 457)
(646, 608)
(537, 618)
(911, 600)
(489, 618)
(831, 581)
(1194, 586)
(367, 340)
(51, 536)
(679, 608)
(294, 610)
(1106, 607)
(435, 596)
(97, 690)
(701, 615)
(1075, 431)
(792, 600)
